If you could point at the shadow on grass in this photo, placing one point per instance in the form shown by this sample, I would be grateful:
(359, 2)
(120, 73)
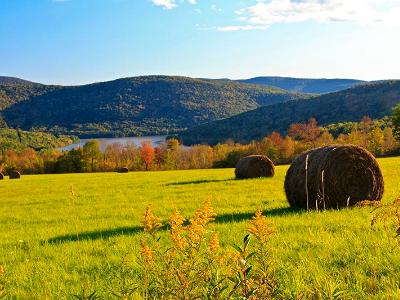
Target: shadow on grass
(198, 181)
(97, 235)
(240, 217)
(108, 233)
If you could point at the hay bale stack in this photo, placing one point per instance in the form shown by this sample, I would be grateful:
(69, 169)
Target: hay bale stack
(14, 174)
(123, 170)
(254, 166)
(1, 176)
(333, 177)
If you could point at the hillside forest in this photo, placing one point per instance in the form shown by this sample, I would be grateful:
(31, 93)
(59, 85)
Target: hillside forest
(137, 106)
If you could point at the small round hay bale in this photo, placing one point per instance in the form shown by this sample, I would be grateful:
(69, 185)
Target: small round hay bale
(123, 170)
(1, 176)
(254, 166)
(13, 174)
(333, 177)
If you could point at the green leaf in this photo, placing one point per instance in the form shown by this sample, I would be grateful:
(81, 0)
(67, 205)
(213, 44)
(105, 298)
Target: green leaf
(237, 248)
(250, 255)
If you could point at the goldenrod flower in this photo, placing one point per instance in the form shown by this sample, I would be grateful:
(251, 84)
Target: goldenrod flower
(2, 271)
(146, 252)
(260, 227)
(214, 242)
(176, 222)
(151, 222)
(199, 221)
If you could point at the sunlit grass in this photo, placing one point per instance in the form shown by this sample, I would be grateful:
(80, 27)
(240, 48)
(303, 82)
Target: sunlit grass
(54, 243)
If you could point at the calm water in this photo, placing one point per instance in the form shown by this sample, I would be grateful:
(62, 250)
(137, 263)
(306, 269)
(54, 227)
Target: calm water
(156, 140)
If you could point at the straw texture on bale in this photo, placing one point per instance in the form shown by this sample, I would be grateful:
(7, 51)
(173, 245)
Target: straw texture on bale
(254, 166)
(123, 170)
(14, 174)
(1, 176)
(333, 177)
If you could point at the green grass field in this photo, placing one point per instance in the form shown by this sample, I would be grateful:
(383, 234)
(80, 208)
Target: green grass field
(53, 245)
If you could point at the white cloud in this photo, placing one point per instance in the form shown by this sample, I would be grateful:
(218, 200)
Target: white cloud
(170, 4)
(215, 8)
(166, 4)
(240, 27)
(289, 11)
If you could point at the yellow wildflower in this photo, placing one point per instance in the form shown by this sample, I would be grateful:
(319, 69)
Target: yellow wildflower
(199, 221)
(151, 222)
(214, 242)
(146, 252)
(176, 222)
(2, 271)
(260, 227)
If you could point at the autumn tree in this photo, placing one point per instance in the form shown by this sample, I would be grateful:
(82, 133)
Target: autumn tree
(71, 162)
(396, 121)
(287, 148)
(269, 148)
(147, 154)
(376, 139)
(92, 153)
(307, 132)
(113, 156)
(389, 142)
(325, 139)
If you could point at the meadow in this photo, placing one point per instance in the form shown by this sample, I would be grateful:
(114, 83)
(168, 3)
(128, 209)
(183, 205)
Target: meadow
(65, 234)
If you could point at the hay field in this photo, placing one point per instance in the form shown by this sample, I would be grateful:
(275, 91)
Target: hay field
(61, 234)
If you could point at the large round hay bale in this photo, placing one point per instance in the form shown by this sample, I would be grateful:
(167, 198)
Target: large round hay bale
(333, 177)
(123, 170)
(1, 176)
(14, 174)
(254, 166)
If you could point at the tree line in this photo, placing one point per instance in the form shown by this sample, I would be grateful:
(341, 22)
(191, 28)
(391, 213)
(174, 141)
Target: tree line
(377, 136)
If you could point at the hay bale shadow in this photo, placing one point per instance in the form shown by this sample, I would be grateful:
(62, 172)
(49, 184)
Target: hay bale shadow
(95, 235)
(126, 231)
(200, 181)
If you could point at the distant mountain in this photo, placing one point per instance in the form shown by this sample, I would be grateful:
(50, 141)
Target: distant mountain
(302, 85)
(375, 100)
(15, 90)
(12, 80)
(131, 106)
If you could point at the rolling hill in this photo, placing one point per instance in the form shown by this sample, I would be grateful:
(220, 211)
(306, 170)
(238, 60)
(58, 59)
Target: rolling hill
(14, 90)
(375, 100)
(131, 106)
(302, 85)
(13, 80)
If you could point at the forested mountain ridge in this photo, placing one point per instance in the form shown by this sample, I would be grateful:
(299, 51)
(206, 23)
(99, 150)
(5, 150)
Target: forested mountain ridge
(13, 80)
(132, 106)
(374, 100)
(304, 85)
(14, 90)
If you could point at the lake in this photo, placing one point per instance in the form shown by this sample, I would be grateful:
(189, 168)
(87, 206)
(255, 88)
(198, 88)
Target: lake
(155, 140)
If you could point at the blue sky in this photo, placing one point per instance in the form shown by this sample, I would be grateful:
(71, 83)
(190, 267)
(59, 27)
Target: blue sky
(83, 41)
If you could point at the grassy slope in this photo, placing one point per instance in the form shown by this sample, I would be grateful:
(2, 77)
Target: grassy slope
(52, 246)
